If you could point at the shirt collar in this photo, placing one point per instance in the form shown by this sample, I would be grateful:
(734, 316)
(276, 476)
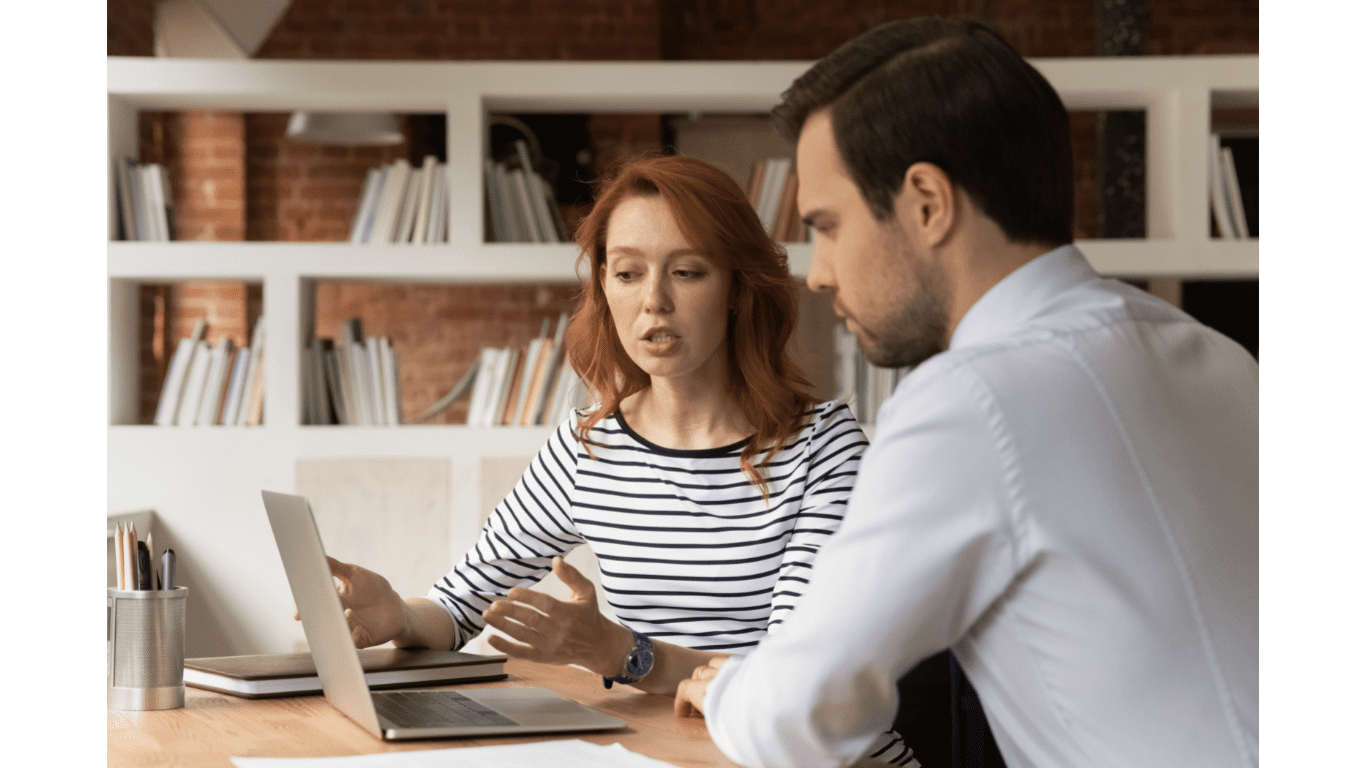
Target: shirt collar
(1020, 294)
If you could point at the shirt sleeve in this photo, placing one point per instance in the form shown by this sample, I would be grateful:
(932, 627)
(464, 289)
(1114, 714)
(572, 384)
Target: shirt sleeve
(834, 447)
(531, 526)
(923, 551)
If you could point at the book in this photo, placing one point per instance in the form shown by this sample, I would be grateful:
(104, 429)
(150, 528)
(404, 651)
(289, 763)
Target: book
(128, 219)
(407, 214)
(507, 387)
(390, 201)
(483, 380)
(438, 233)
(236, 384)
(522, 186)
(365, 211)
(258, 344)
(424, 200)
(294, 674)
(1218, 196)
(332, 372)
(174, 386)
(552, 366)
(256, 399)
(393, 402)
(195, 381)
(214, 385)
(1234, 192)
(373, 367)
(540, 194)
(787, 208)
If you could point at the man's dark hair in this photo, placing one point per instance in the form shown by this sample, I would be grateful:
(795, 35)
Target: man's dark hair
(949, 92)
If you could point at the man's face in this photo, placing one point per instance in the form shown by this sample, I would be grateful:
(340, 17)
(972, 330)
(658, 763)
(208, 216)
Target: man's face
(879, 274)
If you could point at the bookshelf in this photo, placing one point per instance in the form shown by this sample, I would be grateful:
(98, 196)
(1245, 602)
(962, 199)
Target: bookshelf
(208, 478)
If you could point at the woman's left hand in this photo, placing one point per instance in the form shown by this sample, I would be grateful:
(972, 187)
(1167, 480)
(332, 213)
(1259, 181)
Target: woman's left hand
(554, 631)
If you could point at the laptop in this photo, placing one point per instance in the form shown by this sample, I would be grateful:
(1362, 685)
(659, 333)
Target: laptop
(400, 714)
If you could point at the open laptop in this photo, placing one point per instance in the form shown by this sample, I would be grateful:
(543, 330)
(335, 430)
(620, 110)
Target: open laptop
(399, 714)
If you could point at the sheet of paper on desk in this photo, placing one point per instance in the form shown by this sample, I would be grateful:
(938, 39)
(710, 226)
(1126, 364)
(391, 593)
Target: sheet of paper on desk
(564, 753)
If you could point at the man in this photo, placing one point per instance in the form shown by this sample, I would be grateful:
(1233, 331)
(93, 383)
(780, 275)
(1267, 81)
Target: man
(1064, 491)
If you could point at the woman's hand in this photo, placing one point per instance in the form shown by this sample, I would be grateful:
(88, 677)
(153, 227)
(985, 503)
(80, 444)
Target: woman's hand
(374, 611)
(559, 631)
(691, 692)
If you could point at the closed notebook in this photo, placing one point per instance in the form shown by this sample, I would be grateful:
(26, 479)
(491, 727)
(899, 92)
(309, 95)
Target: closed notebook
(293, 674)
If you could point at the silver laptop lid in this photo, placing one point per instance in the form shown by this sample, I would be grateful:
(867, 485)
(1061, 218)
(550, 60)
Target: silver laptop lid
(320, 608)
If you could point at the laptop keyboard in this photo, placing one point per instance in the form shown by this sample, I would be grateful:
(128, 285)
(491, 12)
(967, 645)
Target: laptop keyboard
(434, 709)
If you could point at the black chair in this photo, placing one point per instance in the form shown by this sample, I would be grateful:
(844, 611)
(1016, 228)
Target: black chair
(941, 718)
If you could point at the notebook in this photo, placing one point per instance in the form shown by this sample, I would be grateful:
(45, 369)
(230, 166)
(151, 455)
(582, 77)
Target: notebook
(401, 714)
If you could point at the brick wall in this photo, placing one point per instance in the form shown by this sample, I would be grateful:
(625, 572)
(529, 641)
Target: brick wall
(276, 190)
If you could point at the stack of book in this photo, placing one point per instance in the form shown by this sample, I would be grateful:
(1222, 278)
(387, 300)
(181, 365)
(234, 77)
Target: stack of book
(859, 383)
(353, 380)
(525, 386)
(773, 193)
(208, 385)
(142, 193)
(1227, 193)
(521, 204)
(403, 204)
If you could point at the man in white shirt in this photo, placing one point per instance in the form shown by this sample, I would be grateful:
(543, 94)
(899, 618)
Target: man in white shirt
(1064, 491)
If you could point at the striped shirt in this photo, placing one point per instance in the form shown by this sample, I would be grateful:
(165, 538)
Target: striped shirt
(689, 551)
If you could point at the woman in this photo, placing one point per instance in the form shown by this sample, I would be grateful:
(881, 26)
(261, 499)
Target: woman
(705, 478)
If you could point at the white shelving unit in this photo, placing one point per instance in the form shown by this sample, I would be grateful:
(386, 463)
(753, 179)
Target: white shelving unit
(204, 482)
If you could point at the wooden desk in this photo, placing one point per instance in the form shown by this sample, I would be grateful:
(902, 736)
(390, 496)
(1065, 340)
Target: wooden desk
(214, 727)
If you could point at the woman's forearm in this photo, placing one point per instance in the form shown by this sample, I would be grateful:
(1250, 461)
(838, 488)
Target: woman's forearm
(426, 625)
(672, 662)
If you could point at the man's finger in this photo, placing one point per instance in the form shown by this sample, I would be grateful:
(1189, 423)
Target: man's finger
(572, 578)
(515, 630)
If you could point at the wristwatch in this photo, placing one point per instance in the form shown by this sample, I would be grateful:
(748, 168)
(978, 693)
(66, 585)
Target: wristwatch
(638, 664)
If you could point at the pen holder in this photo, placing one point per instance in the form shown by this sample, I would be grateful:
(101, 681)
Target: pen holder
(145, 668)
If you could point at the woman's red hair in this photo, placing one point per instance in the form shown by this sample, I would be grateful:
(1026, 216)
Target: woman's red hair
(717, 219)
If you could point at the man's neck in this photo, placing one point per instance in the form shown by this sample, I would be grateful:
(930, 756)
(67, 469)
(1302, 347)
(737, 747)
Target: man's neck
(975, 259)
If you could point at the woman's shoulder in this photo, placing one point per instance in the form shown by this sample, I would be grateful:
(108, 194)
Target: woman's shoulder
(830, 413)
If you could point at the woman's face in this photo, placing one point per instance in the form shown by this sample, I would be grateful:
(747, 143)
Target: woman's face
(669, 304)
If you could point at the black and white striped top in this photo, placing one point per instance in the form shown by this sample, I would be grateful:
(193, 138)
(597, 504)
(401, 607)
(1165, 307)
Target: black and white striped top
(690, 553)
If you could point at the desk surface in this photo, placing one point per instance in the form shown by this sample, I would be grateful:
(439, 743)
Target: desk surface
(214, 727)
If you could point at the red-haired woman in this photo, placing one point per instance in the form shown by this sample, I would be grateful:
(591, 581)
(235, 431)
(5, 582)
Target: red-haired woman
(705, 478)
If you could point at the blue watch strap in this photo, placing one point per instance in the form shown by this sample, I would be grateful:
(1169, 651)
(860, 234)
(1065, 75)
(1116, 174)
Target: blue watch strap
(638, 664)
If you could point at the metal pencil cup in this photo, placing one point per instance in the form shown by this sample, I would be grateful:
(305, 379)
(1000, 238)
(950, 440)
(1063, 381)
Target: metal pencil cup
(146, 661)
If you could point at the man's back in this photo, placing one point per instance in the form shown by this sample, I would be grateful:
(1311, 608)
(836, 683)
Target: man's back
(1132, 433)
(1067, 497)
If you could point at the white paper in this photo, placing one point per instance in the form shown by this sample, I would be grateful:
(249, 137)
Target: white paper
(566, 753)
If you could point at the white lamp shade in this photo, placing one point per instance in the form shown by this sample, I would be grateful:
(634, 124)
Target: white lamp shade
(368, 129)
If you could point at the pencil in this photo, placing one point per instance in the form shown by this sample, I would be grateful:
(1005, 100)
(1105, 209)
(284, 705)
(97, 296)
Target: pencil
(130, 557)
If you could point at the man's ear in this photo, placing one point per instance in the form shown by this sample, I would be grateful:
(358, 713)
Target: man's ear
(926, 203)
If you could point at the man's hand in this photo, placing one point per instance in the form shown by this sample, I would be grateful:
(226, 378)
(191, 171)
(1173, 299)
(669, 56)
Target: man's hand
(374, 611)
(688, 699)
(559, 631)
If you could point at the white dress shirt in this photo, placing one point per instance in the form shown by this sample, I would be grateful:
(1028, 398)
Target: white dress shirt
(1067, 497)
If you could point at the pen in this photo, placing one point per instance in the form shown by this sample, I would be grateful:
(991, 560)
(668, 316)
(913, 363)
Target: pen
(168, 569)
(152, 560)
(144, 567)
